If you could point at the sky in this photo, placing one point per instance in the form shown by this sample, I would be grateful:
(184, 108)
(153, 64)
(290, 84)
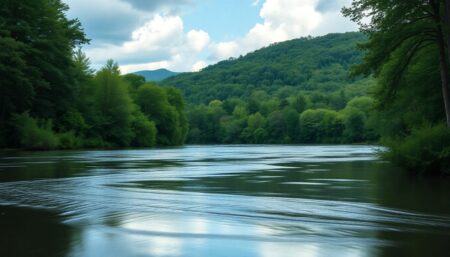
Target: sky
(188, 35)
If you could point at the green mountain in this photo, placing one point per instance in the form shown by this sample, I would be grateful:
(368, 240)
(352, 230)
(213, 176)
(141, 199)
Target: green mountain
(156, 75)
(319, 63)
(298, 91)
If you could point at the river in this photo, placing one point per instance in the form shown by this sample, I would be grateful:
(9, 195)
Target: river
(214, 201)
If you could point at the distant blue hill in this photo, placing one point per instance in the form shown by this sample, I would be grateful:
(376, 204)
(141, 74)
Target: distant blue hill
(156, 75)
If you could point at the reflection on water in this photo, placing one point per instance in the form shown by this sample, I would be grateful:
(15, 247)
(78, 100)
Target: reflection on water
(219, 201)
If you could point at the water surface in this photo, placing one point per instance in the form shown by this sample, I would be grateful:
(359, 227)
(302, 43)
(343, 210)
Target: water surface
(219, 201)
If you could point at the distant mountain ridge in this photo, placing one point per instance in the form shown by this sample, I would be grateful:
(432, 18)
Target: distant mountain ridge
(156, 75)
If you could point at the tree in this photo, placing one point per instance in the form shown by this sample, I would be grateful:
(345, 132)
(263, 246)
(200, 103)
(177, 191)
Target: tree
(166, 109)
(114, 107)
(276, 126)
(354, 126)
(144, 130)
(254, 122)
(320, 126)
(300, 103)
(291, 119)
(398, 32)
(175, 99)
(37, 41)
(408, 53)
(135, 81)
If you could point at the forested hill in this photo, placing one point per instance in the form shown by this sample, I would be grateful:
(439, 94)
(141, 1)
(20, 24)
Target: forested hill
(319, 63)
(298, 91)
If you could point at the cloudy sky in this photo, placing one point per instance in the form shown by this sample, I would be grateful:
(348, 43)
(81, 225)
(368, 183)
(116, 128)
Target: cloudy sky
(187, 35)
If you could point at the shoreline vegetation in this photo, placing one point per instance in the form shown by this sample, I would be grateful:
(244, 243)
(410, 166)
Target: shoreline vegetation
(408, 54)
(293, 92)
(50, 98)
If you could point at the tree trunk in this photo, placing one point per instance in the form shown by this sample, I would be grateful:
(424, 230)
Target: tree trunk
(444, 56)
(444, 81)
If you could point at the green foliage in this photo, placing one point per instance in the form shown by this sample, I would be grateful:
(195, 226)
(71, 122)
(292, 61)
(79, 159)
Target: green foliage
(114, 107)
(144, 131)
(46, 79)
(308, 64)
(321, 126)
(69, 140)
(165, 107)
(34, 134)
(426, 149)
(254, 132)
(273, 86)
(407, 53)
(359, 120)
(73, 121)
(36, 64)
(135, 81)
(354, 122)
(300, 103)
(95, 142)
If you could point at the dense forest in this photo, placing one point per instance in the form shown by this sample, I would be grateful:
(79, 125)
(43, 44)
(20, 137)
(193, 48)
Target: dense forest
(50, 97)
(298, 91)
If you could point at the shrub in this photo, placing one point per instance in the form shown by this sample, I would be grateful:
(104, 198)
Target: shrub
(354, 121)
(95, 142)
(34, 134)
(427, 150)
(68, 140)
(73, 121)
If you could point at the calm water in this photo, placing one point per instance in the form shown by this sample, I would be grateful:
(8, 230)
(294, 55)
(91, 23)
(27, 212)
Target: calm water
(228, 201)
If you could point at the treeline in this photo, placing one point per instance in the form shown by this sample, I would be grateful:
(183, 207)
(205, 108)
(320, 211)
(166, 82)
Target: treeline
(287, 116)
(408, 54)
(51, 99)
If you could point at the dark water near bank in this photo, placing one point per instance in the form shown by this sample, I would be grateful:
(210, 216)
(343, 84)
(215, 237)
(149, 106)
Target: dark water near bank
(228, 201)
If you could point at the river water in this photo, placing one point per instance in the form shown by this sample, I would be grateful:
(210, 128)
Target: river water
(215, 201)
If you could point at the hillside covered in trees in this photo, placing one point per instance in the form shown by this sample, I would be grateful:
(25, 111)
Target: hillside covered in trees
(298, 91)
(50, 97)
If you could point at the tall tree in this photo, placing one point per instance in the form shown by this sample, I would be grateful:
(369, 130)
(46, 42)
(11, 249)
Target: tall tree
(114, 106)
(399, 31)
(37, 42)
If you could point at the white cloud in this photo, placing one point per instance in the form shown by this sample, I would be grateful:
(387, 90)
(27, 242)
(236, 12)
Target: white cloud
(197, 40)
(160, 32)
(159, 43)
(155, 37)
(225, 50)
(152, 42)
(199, 65)
(284, 20)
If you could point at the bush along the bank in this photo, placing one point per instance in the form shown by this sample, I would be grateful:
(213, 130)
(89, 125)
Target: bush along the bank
(107, 116)
(426, 150)
(412, 78)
